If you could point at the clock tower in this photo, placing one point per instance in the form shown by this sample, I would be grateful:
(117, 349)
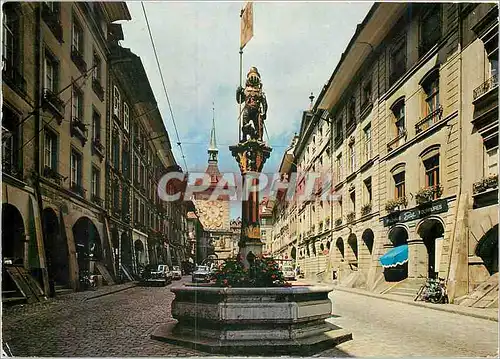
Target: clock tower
(214, 214)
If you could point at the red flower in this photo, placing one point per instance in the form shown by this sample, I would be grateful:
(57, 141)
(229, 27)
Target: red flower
(273, 276)
(225, 282)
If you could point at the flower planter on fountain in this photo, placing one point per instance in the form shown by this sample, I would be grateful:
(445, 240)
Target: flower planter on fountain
(249, 308)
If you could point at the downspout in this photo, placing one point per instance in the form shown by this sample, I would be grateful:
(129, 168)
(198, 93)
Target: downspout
(48, 284)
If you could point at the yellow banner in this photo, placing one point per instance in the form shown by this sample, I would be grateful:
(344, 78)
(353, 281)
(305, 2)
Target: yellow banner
(246, 24)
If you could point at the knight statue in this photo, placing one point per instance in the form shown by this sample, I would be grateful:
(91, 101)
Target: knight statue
(255, 108)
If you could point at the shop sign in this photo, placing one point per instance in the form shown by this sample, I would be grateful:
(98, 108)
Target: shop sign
(434, 207)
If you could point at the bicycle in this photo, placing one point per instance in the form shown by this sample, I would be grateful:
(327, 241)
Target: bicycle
(434, 291)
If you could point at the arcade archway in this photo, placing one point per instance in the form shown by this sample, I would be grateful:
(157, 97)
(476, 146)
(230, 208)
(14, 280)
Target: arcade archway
(398, 236)
(140, 254)
(368, 238)
(56, 248)
(88, 245)
(13, 234)
(487, 249)
(430, 230)
(352, 240)
(340, 247)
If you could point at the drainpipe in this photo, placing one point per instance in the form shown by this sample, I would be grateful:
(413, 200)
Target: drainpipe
(48, 285)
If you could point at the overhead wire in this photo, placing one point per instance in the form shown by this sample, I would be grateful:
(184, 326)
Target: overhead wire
(164, 86)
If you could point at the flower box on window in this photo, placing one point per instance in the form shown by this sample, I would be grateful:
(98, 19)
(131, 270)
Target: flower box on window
(98, 147)
(53, 103)
(396, 204)
(485, 184)
(366, 209)
(350, 217)
(428, 194)
(78, 60)
(338, 222)
(79, 129)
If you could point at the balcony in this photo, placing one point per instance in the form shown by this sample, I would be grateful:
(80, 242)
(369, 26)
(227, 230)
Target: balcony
(13, 77)
(429, 120)
(78, 189)
(485, 87)
(78, 60)
(428, 194)
(98, 89)
(366, 209)
(54, 104)
(79, 129)
(351, 217)
(53, 175)
(52, 19)
(98, 147)
(398, 141)
(338, 139)
(485, 192)
(397, 204)
(96, 199)
(351, 125)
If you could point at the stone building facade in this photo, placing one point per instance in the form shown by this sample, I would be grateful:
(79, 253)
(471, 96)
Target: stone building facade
(63, 187)
(411, 107)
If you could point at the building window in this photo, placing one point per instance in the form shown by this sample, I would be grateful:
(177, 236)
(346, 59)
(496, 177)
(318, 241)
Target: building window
(432, 171)
(491, 161)
(10, 140)
(50, 150)
(430, 28)
(367, 94)
(431, 88)
(351, 113)
(77, 36)
(116, 102)
(50, 71)
(352, 195)
(97, 64)
(339, 168)
(76, 169)
(126, 163)
(352, 158)
(125, 117)
(96, 126)
(10, 38)
(368, 190)
(338, 130)
(77, 104)
(399, 184)
(368, 141)
(116, 151)
(95, 182)
(398, 61)
(136, 210)
(399, 116)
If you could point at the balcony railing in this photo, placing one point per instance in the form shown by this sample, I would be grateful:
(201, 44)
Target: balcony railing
(96, 199)
(338, 139)
(52, 102)
(396, 142)
(350, 126)
(13, 77)
(77, 58)
(429, 120)
(12, 169)
(52, 19)
(486, 86)
(98, 147)
(79, 190)
(53, 175)
(98, 89)
(79, 129)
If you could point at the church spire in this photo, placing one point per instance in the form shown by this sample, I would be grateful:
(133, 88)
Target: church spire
(212, 148)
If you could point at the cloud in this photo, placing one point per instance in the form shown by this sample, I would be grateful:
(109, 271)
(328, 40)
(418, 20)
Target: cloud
(296, 47)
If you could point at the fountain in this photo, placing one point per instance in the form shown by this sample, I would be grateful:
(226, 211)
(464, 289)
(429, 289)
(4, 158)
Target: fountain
(253, 320)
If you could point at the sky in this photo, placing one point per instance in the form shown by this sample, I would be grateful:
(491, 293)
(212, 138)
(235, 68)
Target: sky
(296, 46)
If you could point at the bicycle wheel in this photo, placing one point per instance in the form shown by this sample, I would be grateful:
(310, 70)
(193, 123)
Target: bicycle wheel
(437, 296)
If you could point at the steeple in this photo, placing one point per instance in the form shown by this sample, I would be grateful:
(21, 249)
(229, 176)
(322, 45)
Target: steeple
(212, 148)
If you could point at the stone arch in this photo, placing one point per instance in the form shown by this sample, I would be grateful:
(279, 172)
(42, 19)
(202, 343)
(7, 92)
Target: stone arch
(293, 253)
(398, 235)
(56, 248)
(88, 245)
(352, 241)
(340, 246)
(430, 229)
(487, 250)
(13, 234)
(368, 238)
(140, 253)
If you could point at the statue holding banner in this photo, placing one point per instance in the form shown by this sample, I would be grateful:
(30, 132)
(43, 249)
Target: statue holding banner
(255, 108)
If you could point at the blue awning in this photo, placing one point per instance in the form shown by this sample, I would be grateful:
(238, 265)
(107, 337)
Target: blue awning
(394, 257)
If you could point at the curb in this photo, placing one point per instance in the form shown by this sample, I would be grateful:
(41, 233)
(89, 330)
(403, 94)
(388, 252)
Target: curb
(417, 304)
(133, 285)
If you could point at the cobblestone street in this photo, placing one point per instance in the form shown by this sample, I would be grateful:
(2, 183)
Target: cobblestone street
(120, 324)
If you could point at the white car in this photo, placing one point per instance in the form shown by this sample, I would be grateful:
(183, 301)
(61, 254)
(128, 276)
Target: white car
(176, 272)
(288, 272)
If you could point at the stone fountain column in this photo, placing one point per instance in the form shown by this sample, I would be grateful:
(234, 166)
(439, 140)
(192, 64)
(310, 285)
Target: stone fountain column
(251, 156)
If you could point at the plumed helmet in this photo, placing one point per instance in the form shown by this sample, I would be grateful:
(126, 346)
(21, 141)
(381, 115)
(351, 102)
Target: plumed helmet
(253, 76)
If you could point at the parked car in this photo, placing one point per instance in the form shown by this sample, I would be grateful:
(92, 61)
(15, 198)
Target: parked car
(162, 272)
(201, 274)
(288, 273)
(176, 272)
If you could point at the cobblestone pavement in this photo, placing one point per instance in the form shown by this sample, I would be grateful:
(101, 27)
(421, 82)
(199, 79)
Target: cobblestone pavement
(118, 324)
(383, 328)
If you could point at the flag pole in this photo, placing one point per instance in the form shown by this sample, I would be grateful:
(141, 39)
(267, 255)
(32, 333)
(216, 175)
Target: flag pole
(241, 70)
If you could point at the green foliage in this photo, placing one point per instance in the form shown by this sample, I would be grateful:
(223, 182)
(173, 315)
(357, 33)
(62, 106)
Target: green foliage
(264, 272)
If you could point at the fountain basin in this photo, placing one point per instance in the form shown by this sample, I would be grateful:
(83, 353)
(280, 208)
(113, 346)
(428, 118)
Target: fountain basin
(241, 321)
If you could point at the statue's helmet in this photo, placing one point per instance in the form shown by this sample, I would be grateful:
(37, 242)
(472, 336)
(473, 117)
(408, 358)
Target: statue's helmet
(253, 76)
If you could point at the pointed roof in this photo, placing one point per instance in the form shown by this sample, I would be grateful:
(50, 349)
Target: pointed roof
(213, 141)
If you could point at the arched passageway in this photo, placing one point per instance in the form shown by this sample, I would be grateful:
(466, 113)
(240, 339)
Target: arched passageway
(340, 247)
(487, 249)
(430, 230)
(352, 240)
(140, 255)
(398, 237)
(368, 238)
(293, 253)
(56, 249)
(88, 245)
(13, 235)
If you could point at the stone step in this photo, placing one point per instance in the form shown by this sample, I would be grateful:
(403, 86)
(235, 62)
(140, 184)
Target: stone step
(404, 294)
(13, 300)
(408, 291)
